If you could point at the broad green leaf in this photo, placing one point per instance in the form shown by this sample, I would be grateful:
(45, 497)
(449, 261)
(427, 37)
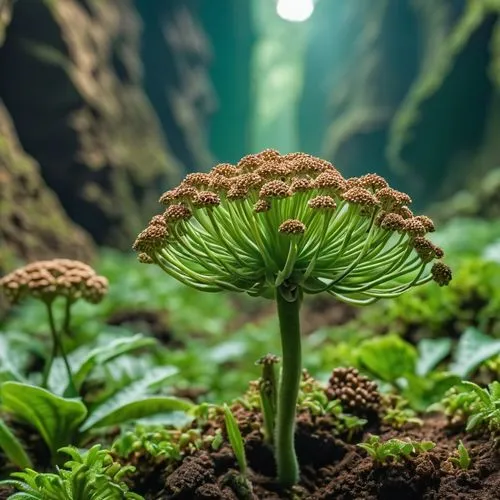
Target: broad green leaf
(431, 352)
(13, 448)
(83, 361)
(131, 393)
(103, 354)
(473, 349)
(133, 410)
(56, 418)
(388, 357)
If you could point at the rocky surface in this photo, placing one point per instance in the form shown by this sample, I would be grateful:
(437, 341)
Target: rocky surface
(74, 93)
(399, 80)
(33, 223)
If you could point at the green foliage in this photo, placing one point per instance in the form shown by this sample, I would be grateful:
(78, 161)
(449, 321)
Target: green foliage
(396, 412)
(479, 407)
(462, 459)
(89, 476)
(394, 450)
(474, 348)
(61, 421)
(388, 357)
(13, 448)
(235, 439)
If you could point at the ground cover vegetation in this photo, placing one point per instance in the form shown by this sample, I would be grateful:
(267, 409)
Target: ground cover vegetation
(158, 386)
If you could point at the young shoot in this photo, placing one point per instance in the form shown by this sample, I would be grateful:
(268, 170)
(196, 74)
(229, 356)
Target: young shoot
(394, 450)
(281, 226)
(461, 458)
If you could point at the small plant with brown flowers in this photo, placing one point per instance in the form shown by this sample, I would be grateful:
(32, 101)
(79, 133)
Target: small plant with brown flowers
(47, 281)
(281, 226)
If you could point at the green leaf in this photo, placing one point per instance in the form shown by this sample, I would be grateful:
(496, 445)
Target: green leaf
(235, 438)
(431, 352)
(473, 349)
(133, 410)
(388, 357)
(13, 448)
(136, 392)
(83, 363)
(56, 418)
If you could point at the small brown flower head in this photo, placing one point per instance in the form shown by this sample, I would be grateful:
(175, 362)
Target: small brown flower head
(330, 181)
(392, 199)
(426, 250)
(360, 196)
(322, 202)
(249, 163)
(292, 227)
(96, 287)
(224, 169)
(275, 189)
(426, 222)
(220, 182)
(182, 193)
(176, 213)
(269, 155)
(273, 170)
(144, 258)
(392, 222)
(373, 182)
(441, 273)
(151, 238)
(302, 163)
(157, 220)
(243, 184)
(262, 206)
(357, 393)
(414, 227)
(301, 184)
(198, 180)
(206, 199)
(48, 279)
(352, 182)
(268, 359)
(404, 211)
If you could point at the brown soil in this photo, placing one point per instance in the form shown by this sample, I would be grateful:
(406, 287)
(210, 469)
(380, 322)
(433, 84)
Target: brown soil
(334, 469)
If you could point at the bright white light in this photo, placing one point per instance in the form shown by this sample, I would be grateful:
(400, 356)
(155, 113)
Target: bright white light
(295, 10)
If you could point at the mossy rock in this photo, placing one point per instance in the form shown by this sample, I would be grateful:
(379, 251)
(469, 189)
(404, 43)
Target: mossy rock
(33, 223)
(74, 91)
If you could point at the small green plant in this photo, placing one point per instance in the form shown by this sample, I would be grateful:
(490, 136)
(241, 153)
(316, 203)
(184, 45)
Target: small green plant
(92, 475)
(394, 450)
(396, 412)
(281, 226)
(461, 459)
(48, 280)
(62, 421)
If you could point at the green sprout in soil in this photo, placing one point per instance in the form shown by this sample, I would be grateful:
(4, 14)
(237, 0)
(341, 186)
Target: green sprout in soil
(461, 458)
(281, 226)
(92, 475)
(394, 450)
(48, 280)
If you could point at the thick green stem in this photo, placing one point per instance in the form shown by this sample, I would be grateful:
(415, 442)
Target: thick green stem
(58, 346)
(288, 313)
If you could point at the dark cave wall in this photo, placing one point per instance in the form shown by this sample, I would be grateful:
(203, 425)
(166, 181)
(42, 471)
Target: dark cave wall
(86, 120)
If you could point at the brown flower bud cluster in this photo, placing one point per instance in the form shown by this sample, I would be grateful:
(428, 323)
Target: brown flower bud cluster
(48, 279)
(357, 393)
(258, 182)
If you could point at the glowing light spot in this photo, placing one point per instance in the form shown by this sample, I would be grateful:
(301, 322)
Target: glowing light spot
(295, 10)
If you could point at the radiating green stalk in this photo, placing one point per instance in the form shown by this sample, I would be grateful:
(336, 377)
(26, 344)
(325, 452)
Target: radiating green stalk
(286, 459)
